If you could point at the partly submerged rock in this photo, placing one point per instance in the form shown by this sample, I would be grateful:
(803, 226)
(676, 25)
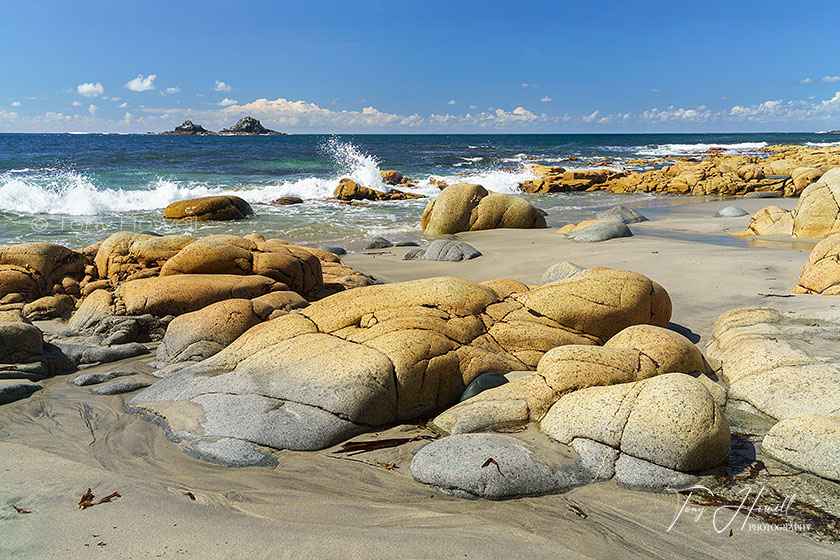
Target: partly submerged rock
(349, 190)
(286, 201)
(224, 207)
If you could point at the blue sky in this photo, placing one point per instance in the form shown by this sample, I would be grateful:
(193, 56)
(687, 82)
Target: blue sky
(430, 66)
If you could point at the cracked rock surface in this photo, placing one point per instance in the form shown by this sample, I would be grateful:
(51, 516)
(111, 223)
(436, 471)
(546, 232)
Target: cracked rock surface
(380, 354)
(786, 369)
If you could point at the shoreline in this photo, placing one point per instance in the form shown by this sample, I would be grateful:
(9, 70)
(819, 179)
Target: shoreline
(314, 503)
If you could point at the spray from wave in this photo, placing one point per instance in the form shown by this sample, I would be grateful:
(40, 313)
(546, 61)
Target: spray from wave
(72, 193)
(682, 149)
(66, 192)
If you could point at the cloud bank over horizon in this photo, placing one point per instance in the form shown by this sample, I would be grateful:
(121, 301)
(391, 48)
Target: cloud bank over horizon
(302, 116)
(622, 67)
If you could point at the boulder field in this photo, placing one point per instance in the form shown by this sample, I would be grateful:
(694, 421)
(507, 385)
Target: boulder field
(817, 214)
(126, 290)
(785, 171)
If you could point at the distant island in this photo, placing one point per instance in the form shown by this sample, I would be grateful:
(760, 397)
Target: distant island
(245, 125)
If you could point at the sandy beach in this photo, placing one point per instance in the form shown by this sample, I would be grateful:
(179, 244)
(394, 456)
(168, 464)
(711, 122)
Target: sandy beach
(336, 506)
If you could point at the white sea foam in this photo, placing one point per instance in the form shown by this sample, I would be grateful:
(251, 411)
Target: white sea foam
(822, 144)
(680, 149)
(64, 192)
(71, 193)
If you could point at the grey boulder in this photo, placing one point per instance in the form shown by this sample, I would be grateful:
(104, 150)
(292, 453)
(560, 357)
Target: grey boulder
(560, 271)
(763, 194)
(94, 378)
(493, 466)
(334, 249)
(445, 250)
(11, 391)
(731, 212)
(601, 231)
(622, 214)
(378, 243)
(119, 388)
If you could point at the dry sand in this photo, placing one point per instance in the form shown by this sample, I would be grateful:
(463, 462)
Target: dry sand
(316, 505)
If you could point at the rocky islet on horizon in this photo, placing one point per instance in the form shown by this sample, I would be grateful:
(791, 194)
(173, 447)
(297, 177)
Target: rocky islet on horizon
(244, 126)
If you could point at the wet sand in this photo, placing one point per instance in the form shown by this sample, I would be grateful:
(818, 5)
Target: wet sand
(62, 440)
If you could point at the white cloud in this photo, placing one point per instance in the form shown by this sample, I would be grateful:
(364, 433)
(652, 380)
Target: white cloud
(451, 102)
(8, 115)
(285, 114)
(89, 89)
(591, 117)
(221, 86)
(655, 90)
(77, 104)
(140, 83)
(15, 103)
(546, 99)
(92, 110)
(523, 84)
(824, 80)
(673, 113)
(123, 105)
(171, 90)
(473, 107)
(226, 102)
(127, 118)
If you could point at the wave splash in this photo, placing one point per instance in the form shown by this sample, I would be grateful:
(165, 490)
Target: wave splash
(682, 149)
(53, 191)
(71, 193)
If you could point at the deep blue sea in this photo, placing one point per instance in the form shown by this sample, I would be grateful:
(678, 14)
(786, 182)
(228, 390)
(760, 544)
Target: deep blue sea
(76, 189)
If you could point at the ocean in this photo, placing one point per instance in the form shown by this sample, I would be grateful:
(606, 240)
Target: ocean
(76, 189)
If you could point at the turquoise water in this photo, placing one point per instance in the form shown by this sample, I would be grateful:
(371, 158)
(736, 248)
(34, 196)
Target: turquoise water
(76, 189)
